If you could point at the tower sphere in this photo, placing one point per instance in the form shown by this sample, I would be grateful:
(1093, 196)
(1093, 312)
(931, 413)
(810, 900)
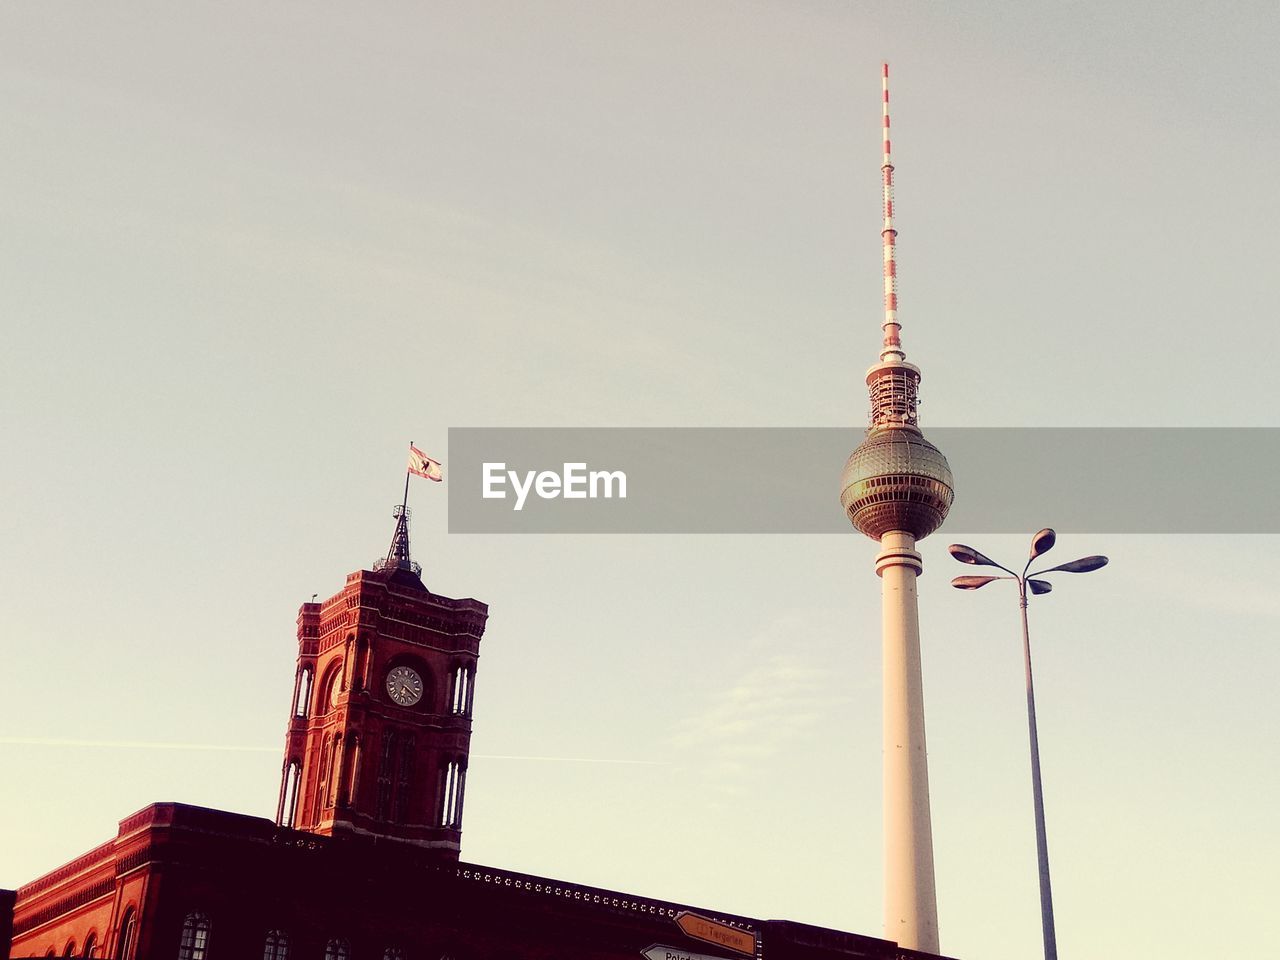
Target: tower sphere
(896, 480)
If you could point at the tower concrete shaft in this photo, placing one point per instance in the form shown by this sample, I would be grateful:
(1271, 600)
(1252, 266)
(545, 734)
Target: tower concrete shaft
(910, 897)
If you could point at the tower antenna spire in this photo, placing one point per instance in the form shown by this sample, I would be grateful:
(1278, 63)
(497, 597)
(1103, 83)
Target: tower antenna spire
(892, 328)
(893, 382)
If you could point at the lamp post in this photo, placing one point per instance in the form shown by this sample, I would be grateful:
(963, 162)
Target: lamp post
(1041, 543)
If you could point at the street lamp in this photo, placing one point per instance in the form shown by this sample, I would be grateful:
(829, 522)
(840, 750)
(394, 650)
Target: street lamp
(1040, 543)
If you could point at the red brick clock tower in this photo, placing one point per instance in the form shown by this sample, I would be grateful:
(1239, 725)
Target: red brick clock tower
(380, 728)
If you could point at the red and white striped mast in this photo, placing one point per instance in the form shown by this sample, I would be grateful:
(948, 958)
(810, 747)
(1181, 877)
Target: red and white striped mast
(892, 341)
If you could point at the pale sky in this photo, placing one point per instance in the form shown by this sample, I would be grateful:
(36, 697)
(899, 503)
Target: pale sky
(248, 251)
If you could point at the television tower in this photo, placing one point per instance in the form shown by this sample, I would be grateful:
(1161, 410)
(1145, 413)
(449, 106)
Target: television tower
(897, 488)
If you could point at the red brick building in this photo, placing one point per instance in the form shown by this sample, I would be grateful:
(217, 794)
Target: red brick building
(198, 884)
(362, 861)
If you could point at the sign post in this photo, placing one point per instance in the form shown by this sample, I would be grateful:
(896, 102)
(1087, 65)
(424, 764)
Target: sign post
(713, 931)
(660, 951)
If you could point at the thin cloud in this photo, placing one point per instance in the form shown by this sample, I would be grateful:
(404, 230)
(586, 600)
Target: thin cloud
(244, 748)
(496, 756)
(767, 710)
(133, 744)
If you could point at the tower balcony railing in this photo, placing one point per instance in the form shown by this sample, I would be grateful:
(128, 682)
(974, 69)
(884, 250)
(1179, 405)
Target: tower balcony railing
(385, 564)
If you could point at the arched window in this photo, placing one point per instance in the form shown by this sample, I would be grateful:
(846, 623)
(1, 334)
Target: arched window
(452, 780)
(276, 946)
(321, 799)
(70, 950)
(302, 692)
(128, 940)
(288, 811)
(334, 772)
(195, 937)
(406, 778)
(359, 674)
(463, 682)
(471, 689)
(90, 945)
(337, 949)
(383, 809)
(352, 768)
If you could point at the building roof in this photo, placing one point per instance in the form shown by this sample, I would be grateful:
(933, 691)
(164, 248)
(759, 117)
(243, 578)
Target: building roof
(250, 876)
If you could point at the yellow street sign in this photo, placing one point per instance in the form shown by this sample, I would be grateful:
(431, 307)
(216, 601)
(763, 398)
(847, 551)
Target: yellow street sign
(713, 931)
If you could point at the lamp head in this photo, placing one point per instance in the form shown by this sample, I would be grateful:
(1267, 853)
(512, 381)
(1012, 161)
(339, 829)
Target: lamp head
(969, 555)
(1043, 542)
(1039, 586)
(972, 583)
(1083, 565)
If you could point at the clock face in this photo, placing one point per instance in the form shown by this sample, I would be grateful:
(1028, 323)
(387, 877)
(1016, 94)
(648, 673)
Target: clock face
(404, 686)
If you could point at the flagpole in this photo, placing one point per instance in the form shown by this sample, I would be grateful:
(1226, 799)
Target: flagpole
(398, 552)
(405, 502)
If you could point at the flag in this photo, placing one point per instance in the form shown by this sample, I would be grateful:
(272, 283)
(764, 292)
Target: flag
(423, 466)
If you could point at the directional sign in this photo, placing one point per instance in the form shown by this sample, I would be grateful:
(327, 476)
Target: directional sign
(713, 931)
(662, 952)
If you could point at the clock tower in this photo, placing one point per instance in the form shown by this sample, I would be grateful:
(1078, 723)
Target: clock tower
(380, 726)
